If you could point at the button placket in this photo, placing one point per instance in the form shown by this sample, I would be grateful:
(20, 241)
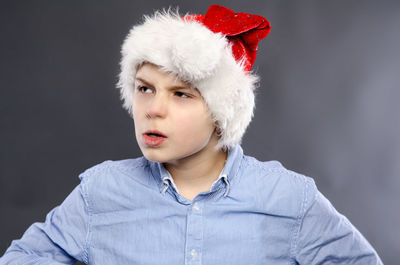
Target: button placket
(193, 253)
(194, 234)
(195, 207)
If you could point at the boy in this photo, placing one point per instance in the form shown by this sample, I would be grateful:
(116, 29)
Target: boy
(194, 197)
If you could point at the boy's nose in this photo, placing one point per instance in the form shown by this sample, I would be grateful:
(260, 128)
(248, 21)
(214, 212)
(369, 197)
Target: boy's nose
(157, 107)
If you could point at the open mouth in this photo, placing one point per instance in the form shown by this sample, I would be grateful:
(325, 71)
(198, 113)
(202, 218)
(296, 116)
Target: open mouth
(154, 138)
(154, 134)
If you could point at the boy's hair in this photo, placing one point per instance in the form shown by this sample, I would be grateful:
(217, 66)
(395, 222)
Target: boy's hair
(208, 60)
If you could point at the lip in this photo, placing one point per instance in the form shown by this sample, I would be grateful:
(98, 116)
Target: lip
(154, 141)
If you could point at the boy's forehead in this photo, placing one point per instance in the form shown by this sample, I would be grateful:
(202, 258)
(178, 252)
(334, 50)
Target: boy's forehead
(146, 72)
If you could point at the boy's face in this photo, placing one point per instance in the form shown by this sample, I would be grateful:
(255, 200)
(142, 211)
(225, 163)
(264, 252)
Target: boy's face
(164, 103)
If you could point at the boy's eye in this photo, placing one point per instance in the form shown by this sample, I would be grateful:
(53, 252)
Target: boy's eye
(181, 94)
(144, 89)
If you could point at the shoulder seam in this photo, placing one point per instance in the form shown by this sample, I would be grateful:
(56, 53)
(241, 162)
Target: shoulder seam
(303, 210)
(85, 196)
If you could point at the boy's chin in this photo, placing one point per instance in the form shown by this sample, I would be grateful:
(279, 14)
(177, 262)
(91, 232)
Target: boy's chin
(154, 159)
(149, 155)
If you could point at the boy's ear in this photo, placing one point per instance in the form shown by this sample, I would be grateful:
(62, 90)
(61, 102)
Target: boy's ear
(218, 130)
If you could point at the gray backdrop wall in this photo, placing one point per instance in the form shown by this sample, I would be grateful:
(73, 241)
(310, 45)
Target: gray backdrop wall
(326, 105)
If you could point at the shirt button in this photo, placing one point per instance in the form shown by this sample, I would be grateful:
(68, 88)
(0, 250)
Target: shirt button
(193, 253)
(196, 206)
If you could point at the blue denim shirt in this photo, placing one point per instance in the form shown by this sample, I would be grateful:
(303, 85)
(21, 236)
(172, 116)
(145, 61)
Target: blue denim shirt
(130, 212)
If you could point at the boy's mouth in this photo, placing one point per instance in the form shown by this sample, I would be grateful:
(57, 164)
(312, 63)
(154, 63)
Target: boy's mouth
(154, 138)
(154, 134)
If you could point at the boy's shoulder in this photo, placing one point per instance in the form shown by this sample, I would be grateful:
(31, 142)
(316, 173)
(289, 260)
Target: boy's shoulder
(274, 183)
(112, 185)
(274, 171)
(117, 172)
(124, 165)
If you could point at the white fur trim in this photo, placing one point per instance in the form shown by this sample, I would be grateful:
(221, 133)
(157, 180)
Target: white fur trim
(198, 56)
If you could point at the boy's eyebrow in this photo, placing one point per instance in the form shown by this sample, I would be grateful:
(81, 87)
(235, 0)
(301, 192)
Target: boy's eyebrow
(144, 81)
(170, 88)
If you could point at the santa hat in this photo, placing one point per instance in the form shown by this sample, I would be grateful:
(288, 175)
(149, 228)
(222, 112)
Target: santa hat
(213, 52)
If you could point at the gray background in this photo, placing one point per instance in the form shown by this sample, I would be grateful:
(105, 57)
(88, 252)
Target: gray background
(326, 105)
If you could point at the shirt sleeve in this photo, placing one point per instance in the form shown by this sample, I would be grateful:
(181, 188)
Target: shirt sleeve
(61, 239)
(327, 237)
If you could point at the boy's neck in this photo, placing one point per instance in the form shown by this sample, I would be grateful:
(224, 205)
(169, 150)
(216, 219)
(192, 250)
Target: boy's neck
(197, 173)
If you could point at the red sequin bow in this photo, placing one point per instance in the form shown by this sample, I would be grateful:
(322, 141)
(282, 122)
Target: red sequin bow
(243, 30)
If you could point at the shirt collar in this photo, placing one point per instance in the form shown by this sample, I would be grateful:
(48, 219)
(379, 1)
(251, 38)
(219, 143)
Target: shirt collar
(227, 174)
